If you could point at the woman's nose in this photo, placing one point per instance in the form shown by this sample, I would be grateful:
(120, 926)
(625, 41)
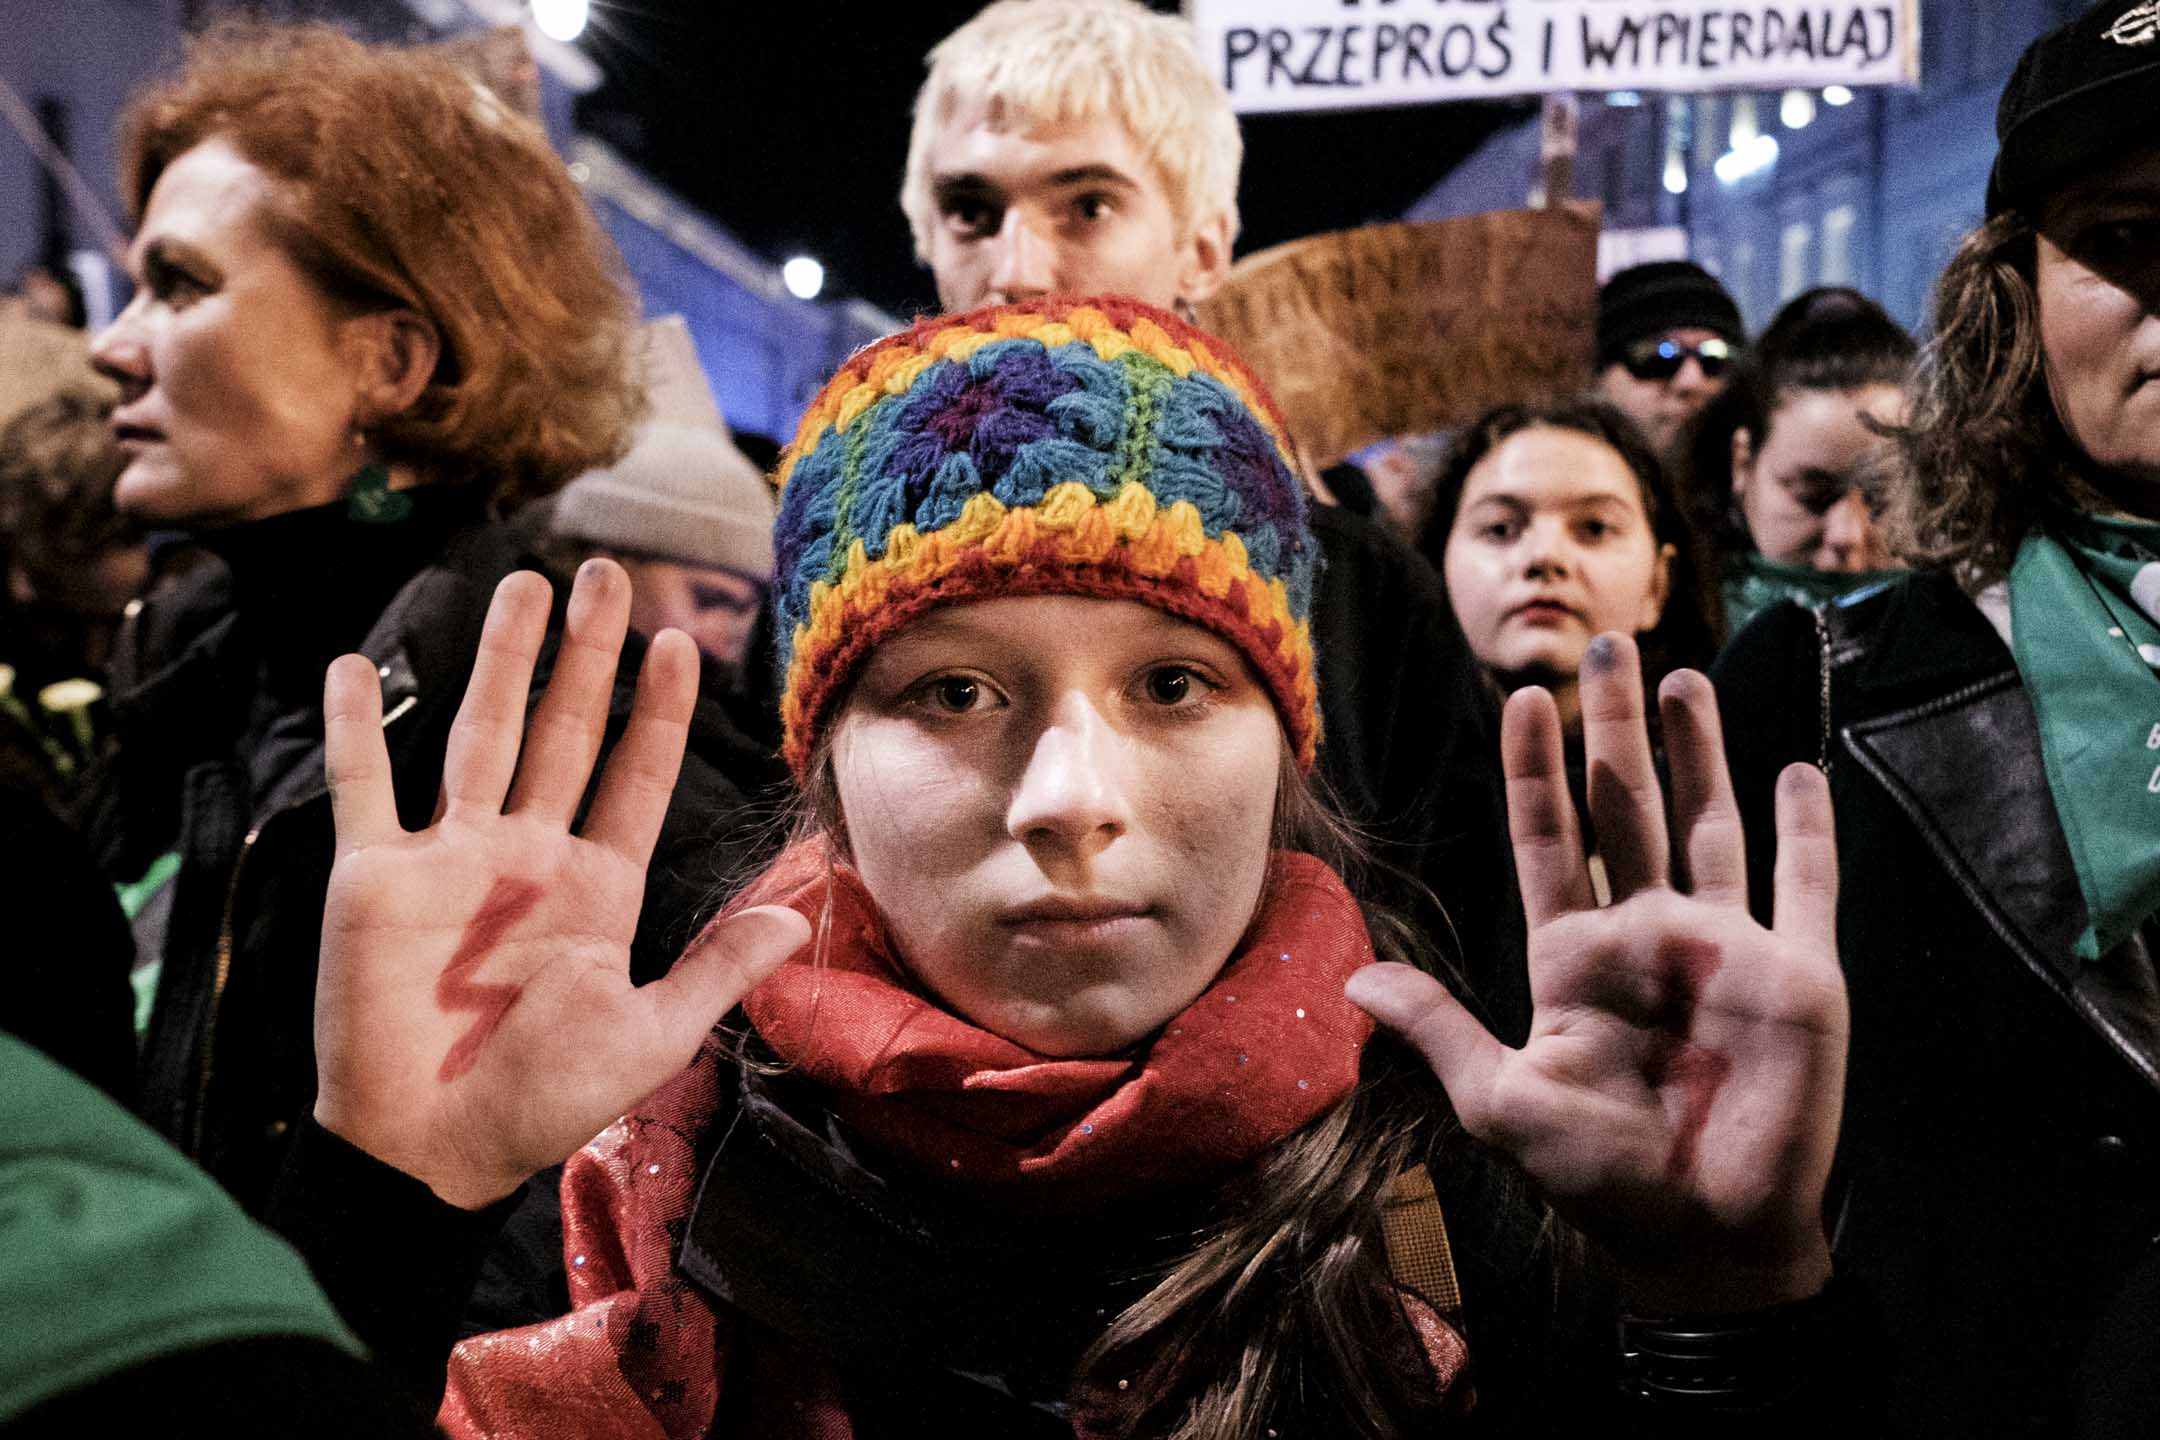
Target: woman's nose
(1544, 549)
(118, 353)
(1848, 534)
(1073, 798)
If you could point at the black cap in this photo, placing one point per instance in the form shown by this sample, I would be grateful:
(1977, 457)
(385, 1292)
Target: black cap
(1644, 301)
(2080, 95)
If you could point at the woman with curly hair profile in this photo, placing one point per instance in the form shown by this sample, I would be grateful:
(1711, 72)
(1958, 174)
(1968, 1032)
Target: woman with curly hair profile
(1991, 725)
(372, 315)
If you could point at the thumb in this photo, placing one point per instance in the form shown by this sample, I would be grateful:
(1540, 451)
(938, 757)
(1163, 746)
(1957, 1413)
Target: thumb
(722, 965)
(1419, 1008)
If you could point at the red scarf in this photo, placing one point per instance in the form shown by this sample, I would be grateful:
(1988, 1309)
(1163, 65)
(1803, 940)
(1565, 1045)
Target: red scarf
(1269, 1047)
(643, 1356)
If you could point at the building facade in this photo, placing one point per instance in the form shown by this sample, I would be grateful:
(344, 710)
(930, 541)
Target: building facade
(1871, 188)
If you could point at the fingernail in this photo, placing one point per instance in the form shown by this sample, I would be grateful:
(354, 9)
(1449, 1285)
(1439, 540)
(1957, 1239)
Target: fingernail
(1601, 654)
(1797, 780)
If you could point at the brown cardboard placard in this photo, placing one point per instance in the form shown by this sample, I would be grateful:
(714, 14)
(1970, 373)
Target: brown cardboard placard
(1404, 329)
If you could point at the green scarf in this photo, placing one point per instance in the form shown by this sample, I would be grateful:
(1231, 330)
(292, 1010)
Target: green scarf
(2083, 595)
(1753, 584)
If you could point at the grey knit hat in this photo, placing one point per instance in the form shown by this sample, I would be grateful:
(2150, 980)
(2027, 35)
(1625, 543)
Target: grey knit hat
(685, 494)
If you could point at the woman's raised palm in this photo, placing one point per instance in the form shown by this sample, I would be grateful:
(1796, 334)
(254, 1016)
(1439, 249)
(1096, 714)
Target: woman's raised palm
(1679, 1093)
(475, 1020)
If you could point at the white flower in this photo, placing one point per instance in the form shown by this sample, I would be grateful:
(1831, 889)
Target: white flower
(63, 696)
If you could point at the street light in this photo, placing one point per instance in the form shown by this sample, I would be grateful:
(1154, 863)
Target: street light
(1836, 95)
(804, 277)
(562, 20)
(1746, 158)
(1797, 109)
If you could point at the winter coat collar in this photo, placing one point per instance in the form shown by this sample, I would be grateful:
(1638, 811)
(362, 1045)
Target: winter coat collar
(1939, 718)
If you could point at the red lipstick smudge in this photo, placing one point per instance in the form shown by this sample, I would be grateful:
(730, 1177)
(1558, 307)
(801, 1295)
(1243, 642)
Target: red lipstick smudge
(506, 904)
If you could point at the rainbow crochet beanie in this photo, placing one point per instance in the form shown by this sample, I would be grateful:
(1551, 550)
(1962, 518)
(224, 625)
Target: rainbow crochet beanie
(1096, 447)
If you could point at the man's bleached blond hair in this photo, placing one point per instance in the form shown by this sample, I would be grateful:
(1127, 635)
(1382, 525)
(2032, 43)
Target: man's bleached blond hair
(1033, 62)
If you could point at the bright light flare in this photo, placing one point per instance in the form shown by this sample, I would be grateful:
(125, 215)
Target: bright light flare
(1836, 95)
(562, 20)
(804, 277)
(1675, 174)
(1747, 158)
(1797, 109)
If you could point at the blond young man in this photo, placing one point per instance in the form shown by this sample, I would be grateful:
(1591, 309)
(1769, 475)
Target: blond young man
(1081, 147)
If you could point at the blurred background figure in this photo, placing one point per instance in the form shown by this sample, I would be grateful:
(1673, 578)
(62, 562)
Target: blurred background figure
(46, 293)
(1667, 336)
(1552, 525)
(73, 564)
(1792, 467)
(690, 518)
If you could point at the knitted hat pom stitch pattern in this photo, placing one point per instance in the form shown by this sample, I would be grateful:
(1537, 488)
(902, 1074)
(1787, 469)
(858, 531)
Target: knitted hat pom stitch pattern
(1101, 448)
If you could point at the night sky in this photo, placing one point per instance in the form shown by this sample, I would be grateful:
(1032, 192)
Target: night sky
(789, 123)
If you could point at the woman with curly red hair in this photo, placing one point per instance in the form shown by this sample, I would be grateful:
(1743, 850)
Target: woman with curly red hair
(372, 314)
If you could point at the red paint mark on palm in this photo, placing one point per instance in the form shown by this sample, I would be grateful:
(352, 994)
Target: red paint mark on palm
(1696, 1071)
(508, 902)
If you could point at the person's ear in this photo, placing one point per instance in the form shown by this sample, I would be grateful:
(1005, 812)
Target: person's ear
(1206, 261)
(1660, 590)
(1743, 459)
(395, 355)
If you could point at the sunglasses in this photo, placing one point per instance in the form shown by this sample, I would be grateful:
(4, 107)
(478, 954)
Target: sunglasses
(1662, 359)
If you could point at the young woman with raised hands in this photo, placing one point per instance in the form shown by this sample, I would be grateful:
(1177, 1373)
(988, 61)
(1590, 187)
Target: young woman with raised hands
(1053, 1101)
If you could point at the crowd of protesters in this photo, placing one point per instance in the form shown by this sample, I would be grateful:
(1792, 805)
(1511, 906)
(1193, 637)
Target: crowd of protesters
(1030, 920)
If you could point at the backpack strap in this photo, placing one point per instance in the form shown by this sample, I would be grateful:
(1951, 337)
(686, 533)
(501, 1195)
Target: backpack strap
(1415, 1232)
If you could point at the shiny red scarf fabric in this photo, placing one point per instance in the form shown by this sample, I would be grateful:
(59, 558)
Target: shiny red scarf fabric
(1268, 1047)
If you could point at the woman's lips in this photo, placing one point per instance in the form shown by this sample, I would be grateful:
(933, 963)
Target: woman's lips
(127, 433)
(1060, 921)
(1543, 612)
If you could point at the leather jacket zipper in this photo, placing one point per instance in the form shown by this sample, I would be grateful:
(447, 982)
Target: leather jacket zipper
(223, 970)
(218, 977)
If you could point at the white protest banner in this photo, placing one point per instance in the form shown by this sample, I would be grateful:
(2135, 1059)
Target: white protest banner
(1338, 54)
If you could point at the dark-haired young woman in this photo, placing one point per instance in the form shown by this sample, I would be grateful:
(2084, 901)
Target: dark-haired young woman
(1791, 464)
(1992, 730)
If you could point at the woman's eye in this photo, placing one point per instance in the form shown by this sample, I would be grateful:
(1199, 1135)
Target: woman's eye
(954, 694)
(1175, 687)
(2115, 243)
(1595, 529)
(169, 282)
(1500, 530)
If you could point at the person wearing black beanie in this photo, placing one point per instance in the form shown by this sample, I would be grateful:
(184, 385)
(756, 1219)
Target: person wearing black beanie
(1667, 336)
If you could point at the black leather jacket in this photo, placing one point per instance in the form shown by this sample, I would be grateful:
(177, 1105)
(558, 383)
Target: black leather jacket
(218, 707)
(1998, 1185)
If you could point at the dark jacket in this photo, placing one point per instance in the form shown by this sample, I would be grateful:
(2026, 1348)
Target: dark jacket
(1998, 1182)
(218, 709)
(1407, 751)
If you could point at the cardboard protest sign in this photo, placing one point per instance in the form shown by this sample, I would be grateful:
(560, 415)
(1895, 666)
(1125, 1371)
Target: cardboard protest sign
(1402, 329)
(39, 359)
(1337, 54)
